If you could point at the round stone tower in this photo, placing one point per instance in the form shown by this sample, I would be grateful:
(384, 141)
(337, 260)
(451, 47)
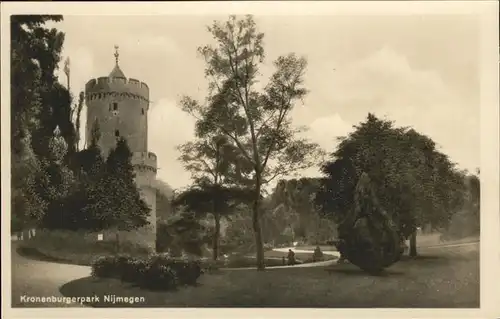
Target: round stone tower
(120, 106)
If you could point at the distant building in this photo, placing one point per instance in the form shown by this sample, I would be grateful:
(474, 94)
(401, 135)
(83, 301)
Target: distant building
(120, 105)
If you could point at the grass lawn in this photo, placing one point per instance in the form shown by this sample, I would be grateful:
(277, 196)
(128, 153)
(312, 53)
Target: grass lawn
(424, 240)
(81, 254)
(439, 278)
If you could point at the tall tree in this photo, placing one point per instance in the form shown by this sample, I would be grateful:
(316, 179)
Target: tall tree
(467, 221)
(39, 104)
(215, 199)
(414, 182)
(28, 36)
(215, 170)
(473, 184)
(122, 208)
(36, 55)
(183, 232)
(26, 105)
(296, 197)
(257, 121)
(239, 233)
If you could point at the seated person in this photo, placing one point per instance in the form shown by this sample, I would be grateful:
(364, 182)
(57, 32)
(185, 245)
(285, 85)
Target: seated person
(318, 254)
(291, 257)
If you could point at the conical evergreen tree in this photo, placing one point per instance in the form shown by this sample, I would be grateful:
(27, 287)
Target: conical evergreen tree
(124, 209)
(368, 237)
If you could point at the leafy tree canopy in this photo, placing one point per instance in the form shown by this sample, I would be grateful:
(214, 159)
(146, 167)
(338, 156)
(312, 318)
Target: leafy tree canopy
(414, 182)
(257, 121)
(40, 102)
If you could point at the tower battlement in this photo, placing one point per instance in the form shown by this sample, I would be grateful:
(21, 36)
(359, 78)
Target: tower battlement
(100, 87)
(145, 161)
(145, 166)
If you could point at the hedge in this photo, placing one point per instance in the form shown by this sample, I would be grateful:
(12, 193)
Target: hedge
(157, 272)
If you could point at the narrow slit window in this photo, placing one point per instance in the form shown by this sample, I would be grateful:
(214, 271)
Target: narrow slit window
(142, 111)
(115, 106)
(117, 133)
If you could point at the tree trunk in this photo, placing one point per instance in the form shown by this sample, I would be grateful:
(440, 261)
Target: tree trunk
(117, 238)
(215, 245)
(257, 229)
(318, 231)
(413, 244)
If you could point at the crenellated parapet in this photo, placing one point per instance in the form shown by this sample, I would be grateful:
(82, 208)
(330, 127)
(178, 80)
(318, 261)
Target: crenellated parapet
(145, 166)
(146, 159)
(106, 87)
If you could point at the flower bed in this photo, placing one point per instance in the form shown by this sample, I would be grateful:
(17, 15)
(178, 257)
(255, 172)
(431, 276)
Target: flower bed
(157, 272)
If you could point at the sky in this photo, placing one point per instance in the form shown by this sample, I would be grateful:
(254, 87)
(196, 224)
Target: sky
(417, 70)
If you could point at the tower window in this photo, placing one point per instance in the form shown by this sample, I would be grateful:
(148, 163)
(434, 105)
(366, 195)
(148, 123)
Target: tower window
(117, 133)
(115, 106)
(142, 111)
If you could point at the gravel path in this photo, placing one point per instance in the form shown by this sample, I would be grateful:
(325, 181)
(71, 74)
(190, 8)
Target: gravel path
(33, 278)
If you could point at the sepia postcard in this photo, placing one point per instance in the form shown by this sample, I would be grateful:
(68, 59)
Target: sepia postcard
(250, 159)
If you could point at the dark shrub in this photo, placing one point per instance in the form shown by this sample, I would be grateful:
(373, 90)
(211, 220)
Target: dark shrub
(121, 262)
(104, 267)
(187, 271)
(158, 276)
(165, 272)
(111, 266)
(133, 270)
(158, 272)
